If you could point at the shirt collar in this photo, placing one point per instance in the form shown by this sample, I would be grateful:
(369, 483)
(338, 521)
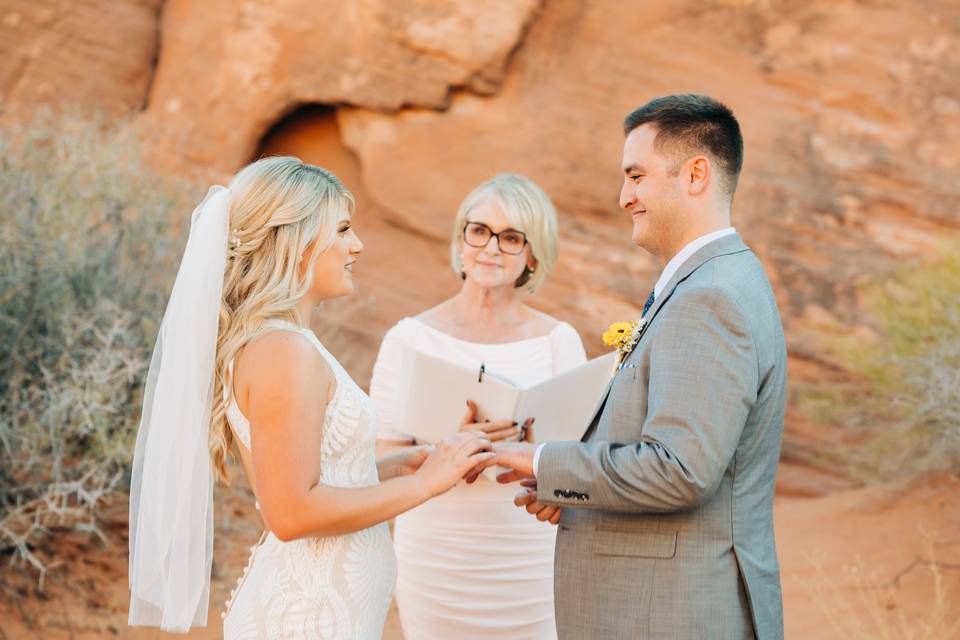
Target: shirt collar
(681, 257)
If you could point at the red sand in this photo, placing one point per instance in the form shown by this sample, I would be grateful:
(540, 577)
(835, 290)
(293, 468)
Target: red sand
(832, 549)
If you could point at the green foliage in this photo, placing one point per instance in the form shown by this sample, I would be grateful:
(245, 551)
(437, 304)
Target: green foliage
(906, 388)
(919, 378)
(87, 254)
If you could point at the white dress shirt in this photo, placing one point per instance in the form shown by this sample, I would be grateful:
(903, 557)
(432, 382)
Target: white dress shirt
(668, 272)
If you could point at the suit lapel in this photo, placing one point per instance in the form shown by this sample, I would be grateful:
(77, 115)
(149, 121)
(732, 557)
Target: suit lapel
(599, 412)
(724, 246)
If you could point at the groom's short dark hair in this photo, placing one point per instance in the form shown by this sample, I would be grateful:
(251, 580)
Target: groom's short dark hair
(688, 124)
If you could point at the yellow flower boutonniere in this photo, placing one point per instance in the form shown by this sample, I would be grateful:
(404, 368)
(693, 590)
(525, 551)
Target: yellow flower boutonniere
(618, 335)
(623, 336)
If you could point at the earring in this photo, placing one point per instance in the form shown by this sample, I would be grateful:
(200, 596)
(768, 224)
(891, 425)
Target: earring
(524, 277)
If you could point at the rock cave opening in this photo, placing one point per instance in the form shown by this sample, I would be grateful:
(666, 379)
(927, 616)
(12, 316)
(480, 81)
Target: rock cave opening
(311, 132)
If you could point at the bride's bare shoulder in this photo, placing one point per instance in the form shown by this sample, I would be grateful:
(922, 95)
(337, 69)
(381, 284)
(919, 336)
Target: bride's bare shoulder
(282, 359)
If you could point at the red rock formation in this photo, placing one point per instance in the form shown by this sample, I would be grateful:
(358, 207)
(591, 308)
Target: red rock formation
(851, 114)
(230, 70)
(94, 54)
(849, 143)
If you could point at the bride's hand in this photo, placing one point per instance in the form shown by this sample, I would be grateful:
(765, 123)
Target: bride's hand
(496, 431)
(452, 458)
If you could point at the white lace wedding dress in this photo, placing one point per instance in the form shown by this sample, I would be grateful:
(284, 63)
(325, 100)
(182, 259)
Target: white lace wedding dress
(332, 587)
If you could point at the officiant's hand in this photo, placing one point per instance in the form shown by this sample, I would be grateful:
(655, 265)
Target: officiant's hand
(527, 498)
(496, 431)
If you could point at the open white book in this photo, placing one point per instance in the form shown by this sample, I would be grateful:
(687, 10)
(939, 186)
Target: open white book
(433, 399)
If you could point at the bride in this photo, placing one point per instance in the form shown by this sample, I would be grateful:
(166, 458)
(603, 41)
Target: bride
(236, 368)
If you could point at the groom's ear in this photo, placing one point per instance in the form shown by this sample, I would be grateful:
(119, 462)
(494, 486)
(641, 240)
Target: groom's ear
(699, 172)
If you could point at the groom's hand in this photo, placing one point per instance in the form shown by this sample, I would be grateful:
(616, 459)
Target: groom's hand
(527, 497)
(518, 457)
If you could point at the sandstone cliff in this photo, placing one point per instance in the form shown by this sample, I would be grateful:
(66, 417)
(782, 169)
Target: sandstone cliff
(851, 113)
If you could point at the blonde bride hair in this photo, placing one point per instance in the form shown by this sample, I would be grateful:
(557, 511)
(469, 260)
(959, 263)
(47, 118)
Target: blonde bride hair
(278, 207)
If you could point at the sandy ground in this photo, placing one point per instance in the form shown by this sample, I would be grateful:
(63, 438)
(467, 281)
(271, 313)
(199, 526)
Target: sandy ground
(855, 564)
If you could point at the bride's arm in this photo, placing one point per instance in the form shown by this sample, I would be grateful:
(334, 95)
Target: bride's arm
(288, 387)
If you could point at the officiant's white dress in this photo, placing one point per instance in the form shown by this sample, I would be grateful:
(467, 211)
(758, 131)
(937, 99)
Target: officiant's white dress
(471, 564)
(335, 587)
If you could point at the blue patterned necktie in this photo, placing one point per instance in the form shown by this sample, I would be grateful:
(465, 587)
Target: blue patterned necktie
(647, 305)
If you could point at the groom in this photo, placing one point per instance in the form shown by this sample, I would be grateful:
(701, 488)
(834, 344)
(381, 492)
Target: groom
(665, 506)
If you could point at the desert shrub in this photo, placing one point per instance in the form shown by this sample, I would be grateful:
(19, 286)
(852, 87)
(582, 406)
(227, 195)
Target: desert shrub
(905, 392)
(87, 255)
(917, 372)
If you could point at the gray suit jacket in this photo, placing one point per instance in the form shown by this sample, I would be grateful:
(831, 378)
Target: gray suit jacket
(667, 530)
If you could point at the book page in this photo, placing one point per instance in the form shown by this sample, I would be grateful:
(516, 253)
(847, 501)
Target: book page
(564, 405)
(434, 393)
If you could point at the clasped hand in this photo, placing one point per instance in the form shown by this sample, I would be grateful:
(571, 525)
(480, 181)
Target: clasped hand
(474, 442)
(518, 458)
(498, 431)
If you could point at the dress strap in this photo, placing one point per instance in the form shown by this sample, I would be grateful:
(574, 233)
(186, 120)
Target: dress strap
(273, 323)
(238, 421)
(279, 323)
(338, 371)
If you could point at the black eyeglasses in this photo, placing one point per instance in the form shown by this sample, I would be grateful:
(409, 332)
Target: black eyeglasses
(510, 241)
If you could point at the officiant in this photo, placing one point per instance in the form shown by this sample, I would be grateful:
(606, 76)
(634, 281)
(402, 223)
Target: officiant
(470, 564)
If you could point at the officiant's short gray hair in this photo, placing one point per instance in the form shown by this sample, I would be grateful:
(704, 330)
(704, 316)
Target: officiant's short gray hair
(528, 209)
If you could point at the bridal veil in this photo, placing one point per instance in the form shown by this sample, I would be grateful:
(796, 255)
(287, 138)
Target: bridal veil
(171, 487)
